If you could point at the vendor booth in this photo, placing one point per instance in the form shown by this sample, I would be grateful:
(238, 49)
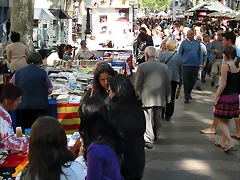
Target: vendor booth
(207, 7)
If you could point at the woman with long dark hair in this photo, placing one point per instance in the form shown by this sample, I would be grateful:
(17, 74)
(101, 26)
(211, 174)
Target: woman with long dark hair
(126, 112)
(100, 82)
(49, 158)
(103, 142)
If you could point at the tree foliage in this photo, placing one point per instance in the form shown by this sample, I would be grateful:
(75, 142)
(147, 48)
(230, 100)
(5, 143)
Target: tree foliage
(154, 4)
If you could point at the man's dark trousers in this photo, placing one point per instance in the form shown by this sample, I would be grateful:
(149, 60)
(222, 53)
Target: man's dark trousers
(190, 76)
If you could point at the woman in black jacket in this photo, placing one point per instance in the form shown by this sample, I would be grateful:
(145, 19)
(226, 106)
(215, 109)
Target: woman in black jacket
(126, 112)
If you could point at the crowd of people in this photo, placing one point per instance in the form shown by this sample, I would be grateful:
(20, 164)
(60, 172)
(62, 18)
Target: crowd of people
(120, 118)
(200, 49)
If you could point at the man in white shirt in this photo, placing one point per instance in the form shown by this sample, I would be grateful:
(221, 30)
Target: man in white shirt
(84, 53)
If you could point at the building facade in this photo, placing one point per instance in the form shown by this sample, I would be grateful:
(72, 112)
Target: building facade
(234, 4)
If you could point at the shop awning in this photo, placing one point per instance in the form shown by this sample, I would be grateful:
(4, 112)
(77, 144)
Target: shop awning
(226, 15)
(43, 14)
(214, 6)
(59, 14)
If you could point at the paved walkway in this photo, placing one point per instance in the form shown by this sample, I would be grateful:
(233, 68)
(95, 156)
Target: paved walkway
(182, 153)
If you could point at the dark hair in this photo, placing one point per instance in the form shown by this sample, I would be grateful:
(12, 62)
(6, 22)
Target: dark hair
(231, 53)
(35, 58)
(9, 91)
(15, 37)
(83, 42)
(123, 89)
(143, 29)
(230, 36)
(67, 47)
(61, 48)
(98, 90)
(142, 36)
(47, 149)
(96, 125)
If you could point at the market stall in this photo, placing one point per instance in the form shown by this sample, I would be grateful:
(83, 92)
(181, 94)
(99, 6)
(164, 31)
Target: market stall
(112, 35)
(207, 7)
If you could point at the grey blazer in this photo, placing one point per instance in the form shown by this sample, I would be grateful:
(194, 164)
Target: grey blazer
(152, 83)
(174, 65)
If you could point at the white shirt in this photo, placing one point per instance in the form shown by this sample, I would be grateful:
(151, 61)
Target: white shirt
(76, 171)
(83, 53)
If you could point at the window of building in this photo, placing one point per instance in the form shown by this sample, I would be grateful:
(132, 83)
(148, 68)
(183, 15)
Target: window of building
(176, 3)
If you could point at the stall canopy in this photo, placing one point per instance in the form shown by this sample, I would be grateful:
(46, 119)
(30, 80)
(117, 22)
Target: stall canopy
(59, 14)
(214, 6)
(43, 14)
(220, 14)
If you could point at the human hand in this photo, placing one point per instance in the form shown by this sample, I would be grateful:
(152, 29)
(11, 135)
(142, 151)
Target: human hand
(81, 151)
(205, 64)
(76, 147)
(216, 51)
(215, 100)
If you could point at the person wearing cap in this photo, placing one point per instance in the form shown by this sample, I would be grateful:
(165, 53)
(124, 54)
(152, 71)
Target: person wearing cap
(84, 52)
(36, 86)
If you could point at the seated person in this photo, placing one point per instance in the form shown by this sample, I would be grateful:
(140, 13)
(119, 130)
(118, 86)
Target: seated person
(84, 52)
(67, 56)
(10, 98)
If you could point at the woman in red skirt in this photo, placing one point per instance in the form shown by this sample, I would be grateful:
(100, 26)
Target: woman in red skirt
(226, 102)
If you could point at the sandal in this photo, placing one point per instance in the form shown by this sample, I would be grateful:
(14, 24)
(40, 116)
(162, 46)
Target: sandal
(219, 145)
(229, 150)
(235, 137)
(205, 131)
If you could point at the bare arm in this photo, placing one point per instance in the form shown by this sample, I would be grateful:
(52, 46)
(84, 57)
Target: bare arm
(224, 71)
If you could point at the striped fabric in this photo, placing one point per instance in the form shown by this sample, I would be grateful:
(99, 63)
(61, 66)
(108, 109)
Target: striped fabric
(68, 117)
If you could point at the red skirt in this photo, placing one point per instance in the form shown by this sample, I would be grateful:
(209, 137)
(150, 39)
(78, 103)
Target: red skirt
(227, 107)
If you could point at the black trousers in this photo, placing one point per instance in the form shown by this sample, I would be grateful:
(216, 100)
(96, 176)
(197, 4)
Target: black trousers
(205, 70)
(190, 77)
(169, 110)
(26, 117)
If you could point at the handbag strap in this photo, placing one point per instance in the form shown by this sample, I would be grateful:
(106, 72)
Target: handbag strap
(170, 58)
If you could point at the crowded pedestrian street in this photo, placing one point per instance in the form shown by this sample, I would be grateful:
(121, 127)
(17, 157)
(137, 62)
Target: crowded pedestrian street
(119, 90)
(183, 153)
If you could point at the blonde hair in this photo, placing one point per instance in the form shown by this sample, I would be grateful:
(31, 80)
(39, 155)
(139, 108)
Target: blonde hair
(171, 45)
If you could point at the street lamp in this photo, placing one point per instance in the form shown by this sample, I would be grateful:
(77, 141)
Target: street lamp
(88, 30)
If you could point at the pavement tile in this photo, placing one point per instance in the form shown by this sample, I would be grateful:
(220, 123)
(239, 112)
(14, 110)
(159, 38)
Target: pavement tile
(183, 153)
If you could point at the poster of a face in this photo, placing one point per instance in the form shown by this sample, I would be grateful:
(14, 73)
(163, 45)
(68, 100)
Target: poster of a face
(122, 14)
(103, 18)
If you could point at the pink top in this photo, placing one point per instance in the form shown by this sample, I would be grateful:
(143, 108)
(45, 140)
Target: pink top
(8, 140)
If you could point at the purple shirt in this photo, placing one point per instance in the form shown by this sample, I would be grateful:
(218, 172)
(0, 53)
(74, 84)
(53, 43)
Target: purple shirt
(102, 163)
(49, 83)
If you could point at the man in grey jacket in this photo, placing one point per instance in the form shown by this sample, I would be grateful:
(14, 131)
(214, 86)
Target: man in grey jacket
(153, 85)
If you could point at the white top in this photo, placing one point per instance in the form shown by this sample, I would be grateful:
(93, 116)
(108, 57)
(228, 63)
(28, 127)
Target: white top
(77, 170)
(83, 53)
